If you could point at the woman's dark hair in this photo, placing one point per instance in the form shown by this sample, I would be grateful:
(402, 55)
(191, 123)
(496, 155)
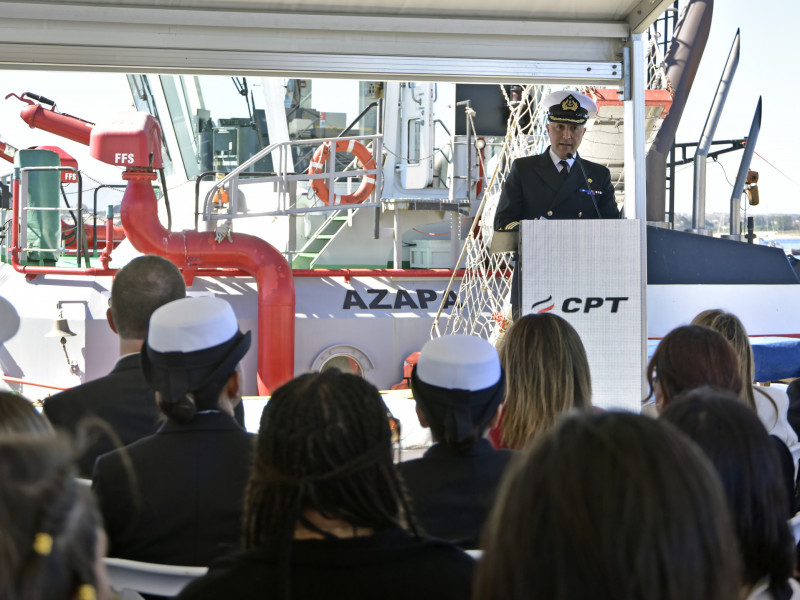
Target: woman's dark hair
(609, 506)
(17, 415)
(49, 524)
(740, 448)
(324, 444)
(693, 356)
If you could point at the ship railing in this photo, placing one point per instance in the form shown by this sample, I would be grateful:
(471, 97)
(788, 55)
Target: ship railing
(22, 247)
(286, 181)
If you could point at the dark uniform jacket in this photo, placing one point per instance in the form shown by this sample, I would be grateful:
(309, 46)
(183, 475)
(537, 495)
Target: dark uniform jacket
(388, 565)
(452, 494)
(185, 502)
(122, 399)
(534, 189)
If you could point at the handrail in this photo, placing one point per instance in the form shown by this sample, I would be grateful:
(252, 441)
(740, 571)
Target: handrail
(282, 176)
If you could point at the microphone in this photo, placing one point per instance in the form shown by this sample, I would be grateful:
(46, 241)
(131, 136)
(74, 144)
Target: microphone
(586, 179)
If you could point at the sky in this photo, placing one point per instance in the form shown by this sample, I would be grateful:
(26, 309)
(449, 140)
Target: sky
(767, 53)
(768, 47)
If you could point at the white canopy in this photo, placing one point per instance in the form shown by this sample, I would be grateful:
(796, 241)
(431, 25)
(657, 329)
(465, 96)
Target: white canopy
(578, 41)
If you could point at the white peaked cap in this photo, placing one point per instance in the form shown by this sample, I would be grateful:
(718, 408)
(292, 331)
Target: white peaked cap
(557, 97)
(191, 324)
(459, 362)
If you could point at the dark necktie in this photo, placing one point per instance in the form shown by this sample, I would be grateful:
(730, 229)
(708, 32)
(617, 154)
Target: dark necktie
(564, 169)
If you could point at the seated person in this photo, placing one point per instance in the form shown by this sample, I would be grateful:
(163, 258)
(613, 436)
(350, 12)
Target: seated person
(739, 447)
(458, 385)
(770, 403)
(325, 515)
(17, 415)
(688, 357)
(121, 400)
(51, 535)
(609, 506)
(547, 374)
(176, 497)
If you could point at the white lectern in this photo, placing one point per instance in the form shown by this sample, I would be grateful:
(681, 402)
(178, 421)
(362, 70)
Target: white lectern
(591, 273)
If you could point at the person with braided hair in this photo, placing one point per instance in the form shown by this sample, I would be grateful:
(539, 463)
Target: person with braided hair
(177, 497)
(325, 512)
(51, 535)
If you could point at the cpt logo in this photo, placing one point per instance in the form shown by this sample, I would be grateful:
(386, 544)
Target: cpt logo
(573, 305)
(122, 158)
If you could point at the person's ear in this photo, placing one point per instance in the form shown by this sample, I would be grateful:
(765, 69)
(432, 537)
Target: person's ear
(421, 418)
(110, 319)
(233, 385)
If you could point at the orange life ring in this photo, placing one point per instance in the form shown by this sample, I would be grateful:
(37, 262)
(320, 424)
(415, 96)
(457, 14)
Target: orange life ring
(320, 158)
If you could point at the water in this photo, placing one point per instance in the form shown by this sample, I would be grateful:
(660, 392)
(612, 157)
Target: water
(789, 243)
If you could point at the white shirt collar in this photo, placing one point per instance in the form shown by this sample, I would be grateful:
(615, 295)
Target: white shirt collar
(554, 157)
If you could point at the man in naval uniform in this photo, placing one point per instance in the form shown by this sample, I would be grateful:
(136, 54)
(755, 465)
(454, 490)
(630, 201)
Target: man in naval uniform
(552, 185)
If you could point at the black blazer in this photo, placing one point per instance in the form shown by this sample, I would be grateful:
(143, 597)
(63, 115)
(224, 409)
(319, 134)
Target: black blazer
(534, 189)
(185, 503)
(452, 494)
(122, 399)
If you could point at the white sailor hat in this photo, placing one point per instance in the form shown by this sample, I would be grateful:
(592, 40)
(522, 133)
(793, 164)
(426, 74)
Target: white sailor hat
(458, 384)
(192, 342)
(568, 106)
(9, 320)
(463, 362)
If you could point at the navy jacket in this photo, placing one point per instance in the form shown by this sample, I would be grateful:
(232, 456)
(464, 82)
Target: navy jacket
(452, 494)
(534, 189)
(122, 399)
(183, 500)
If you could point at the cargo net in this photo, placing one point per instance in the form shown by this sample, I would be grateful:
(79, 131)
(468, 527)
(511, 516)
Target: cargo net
(482, 307)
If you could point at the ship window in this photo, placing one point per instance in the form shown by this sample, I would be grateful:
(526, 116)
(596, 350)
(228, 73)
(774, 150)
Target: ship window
(345, 358)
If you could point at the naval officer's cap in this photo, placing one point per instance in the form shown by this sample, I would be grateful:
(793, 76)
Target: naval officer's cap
(568, 106)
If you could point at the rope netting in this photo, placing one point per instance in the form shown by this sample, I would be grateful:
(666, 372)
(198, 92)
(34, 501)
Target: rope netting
(482, 307)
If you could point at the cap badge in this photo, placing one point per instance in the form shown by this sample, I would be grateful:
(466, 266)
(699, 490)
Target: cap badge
(570, 103)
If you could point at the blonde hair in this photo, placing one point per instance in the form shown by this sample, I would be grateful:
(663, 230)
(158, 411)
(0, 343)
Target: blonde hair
(547, 373)
(733, 330)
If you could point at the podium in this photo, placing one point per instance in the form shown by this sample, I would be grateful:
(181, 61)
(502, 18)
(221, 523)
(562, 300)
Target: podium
(591, 273)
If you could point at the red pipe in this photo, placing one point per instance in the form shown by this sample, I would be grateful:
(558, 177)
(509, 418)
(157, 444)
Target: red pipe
(67, 126)
(190, 249)
(105, 257)
(26, 382)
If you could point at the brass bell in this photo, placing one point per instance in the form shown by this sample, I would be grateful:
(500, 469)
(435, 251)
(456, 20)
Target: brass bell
(60, 327)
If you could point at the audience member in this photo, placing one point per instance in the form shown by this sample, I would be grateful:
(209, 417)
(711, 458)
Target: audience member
(51, 537)
(740, 449)
(181, 500)
(770, 403)
(17, 415)
(609, 506)
(325, 515)
(688, 357)
(547, 373)
(458, 385)
(122, 399)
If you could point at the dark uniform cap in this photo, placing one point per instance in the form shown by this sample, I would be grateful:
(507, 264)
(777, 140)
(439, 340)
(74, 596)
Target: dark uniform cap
(567, 106)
